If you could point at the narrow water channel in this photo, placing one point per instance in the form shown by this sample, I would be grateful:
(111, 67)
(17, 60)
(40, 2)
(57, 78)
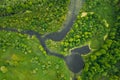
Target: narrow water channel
(74, 8)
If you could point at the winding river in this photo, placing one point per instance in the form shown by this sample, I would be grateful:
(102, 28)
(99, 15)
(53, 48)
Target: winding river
(74, 61)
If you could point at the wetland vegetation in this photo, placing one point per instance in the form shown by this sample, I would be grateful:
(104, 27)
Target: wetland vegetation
(96, 25)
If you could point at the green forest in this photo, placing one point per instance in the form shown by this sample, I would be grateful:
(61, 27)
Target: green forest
(22, 57)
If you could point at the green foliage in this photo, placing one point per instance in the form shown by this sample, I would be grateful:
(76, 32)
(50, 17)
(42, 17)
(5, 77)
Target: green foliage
(103, 63)
(38, 15)
(26, 59)
(90, 28)
(97, 23)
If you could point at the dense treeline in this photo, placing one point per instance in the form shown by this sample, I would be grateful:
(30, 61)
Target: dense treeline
(38, 15)
(104, 63)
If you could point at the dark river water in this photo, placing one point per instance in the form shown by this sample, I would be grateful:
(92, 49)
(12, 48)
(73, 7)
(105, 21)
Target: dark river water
(74, 61)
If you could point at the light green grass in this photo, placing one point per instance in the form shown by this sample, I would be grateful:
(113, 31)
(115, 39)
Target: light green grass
(28, 62)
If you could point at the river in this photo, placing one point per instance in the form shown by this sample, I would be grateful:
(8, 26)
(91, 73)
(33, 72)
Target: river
(74, 61)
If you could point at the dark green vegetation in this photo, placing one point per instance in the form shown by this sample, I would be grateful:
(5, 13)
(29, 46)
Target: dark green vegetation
(39, 15)
(97, 25)
(104, 64)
